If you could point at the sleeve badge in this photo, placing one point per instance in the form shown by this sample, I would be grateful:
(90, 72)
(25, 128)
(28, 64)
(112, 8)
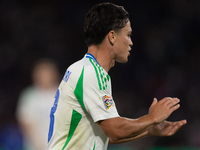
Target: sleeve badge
(108, 101)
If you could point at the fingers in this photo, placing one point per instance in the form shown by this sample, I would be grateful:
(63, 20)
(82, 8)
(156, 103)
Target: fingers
(181, 123)
(171, 103)
(165, 100)
(154, 101)
(176, 126)
(173, 108)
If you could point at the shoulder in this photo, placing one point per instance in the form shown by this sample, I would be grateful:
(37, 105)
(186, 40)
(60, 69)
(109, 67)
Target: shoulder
(27, 92)
(96, 74)
(83, 65)
(82, 68)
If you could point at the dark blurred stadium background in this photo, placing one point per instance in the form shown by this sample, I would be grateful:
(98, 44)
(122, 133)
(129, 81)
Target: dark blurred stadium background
(164, 61)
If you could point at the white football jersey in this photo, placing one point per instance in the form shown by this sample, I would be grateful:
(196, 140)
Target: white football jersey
(83, 98)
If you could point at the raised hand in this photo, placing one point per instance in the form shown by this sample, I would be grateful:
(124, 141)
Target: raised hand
(161, 110)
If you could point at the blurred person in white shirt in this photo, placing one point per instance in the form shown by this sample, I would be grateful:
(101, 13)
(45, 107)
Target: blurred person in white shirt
(35, 103)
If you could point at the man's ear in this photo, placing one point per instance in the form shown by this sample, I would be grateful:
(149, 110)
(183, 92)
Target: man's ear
(112, 37)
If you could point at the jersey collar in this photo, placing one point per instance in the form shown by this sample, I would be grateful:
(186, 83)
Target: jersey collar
(88, 55)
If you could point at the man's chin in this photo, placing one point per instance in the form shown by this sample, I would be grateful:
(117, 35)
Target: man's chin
(123, 61)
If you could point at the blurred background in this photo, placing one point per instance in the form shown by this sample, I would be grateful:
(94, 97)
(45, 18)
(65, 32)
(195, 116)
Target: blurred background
(164, 61)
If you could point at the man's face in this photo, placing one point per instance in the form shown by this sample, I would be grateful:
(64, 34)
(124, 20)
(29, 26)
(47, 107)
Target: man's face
(123, 44)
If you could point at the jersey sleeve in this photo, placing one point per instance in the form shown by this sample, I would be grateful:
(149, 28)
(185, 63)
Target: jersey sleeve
(97, 96)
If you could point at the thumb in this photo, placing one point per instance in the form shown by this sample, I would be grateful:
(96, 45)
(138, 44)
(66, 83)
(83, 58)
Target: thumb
(154, 101)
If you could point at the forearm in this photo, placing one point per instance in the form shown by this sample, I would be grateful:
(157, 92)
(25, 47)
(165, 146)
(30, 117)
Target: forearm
(124, 129)
(144, 134)
(135, 127)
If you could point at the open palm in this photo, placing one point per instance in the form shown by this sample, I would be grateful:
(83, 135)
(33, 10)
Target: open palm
(166, 128)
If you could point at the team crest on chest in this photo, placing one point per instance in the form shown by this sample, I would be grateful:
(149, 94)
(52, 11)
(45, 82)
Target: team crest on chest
(108, 101)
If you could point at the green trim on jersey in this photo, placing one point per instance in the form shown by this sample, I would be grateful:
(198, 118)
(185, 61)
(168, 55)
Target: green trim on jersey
(108, 77)
(76, 117)
(79, 89)
(95, 68)
(101, 77)
(94, 145)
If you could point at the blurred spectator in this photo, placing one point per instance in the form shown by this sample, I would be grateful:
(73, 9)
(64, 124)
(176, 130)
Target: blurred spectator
(35, 103)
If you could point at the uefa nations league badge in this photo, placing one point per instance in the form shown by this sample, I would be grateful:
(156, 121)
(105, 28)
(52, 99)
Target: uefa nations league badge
(108, 101)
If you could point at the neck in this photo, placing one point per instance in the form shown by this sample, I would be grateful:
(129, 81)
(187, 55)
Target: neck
(103, 56)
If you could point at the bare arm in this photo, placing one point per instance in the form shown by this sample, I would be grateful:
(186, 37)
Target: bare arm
(121, 130)
(124, 129)
(144, 134)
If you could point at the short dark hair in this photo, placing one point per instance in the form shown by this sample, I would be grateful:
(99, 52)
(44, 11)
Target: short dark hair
(101, 19)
